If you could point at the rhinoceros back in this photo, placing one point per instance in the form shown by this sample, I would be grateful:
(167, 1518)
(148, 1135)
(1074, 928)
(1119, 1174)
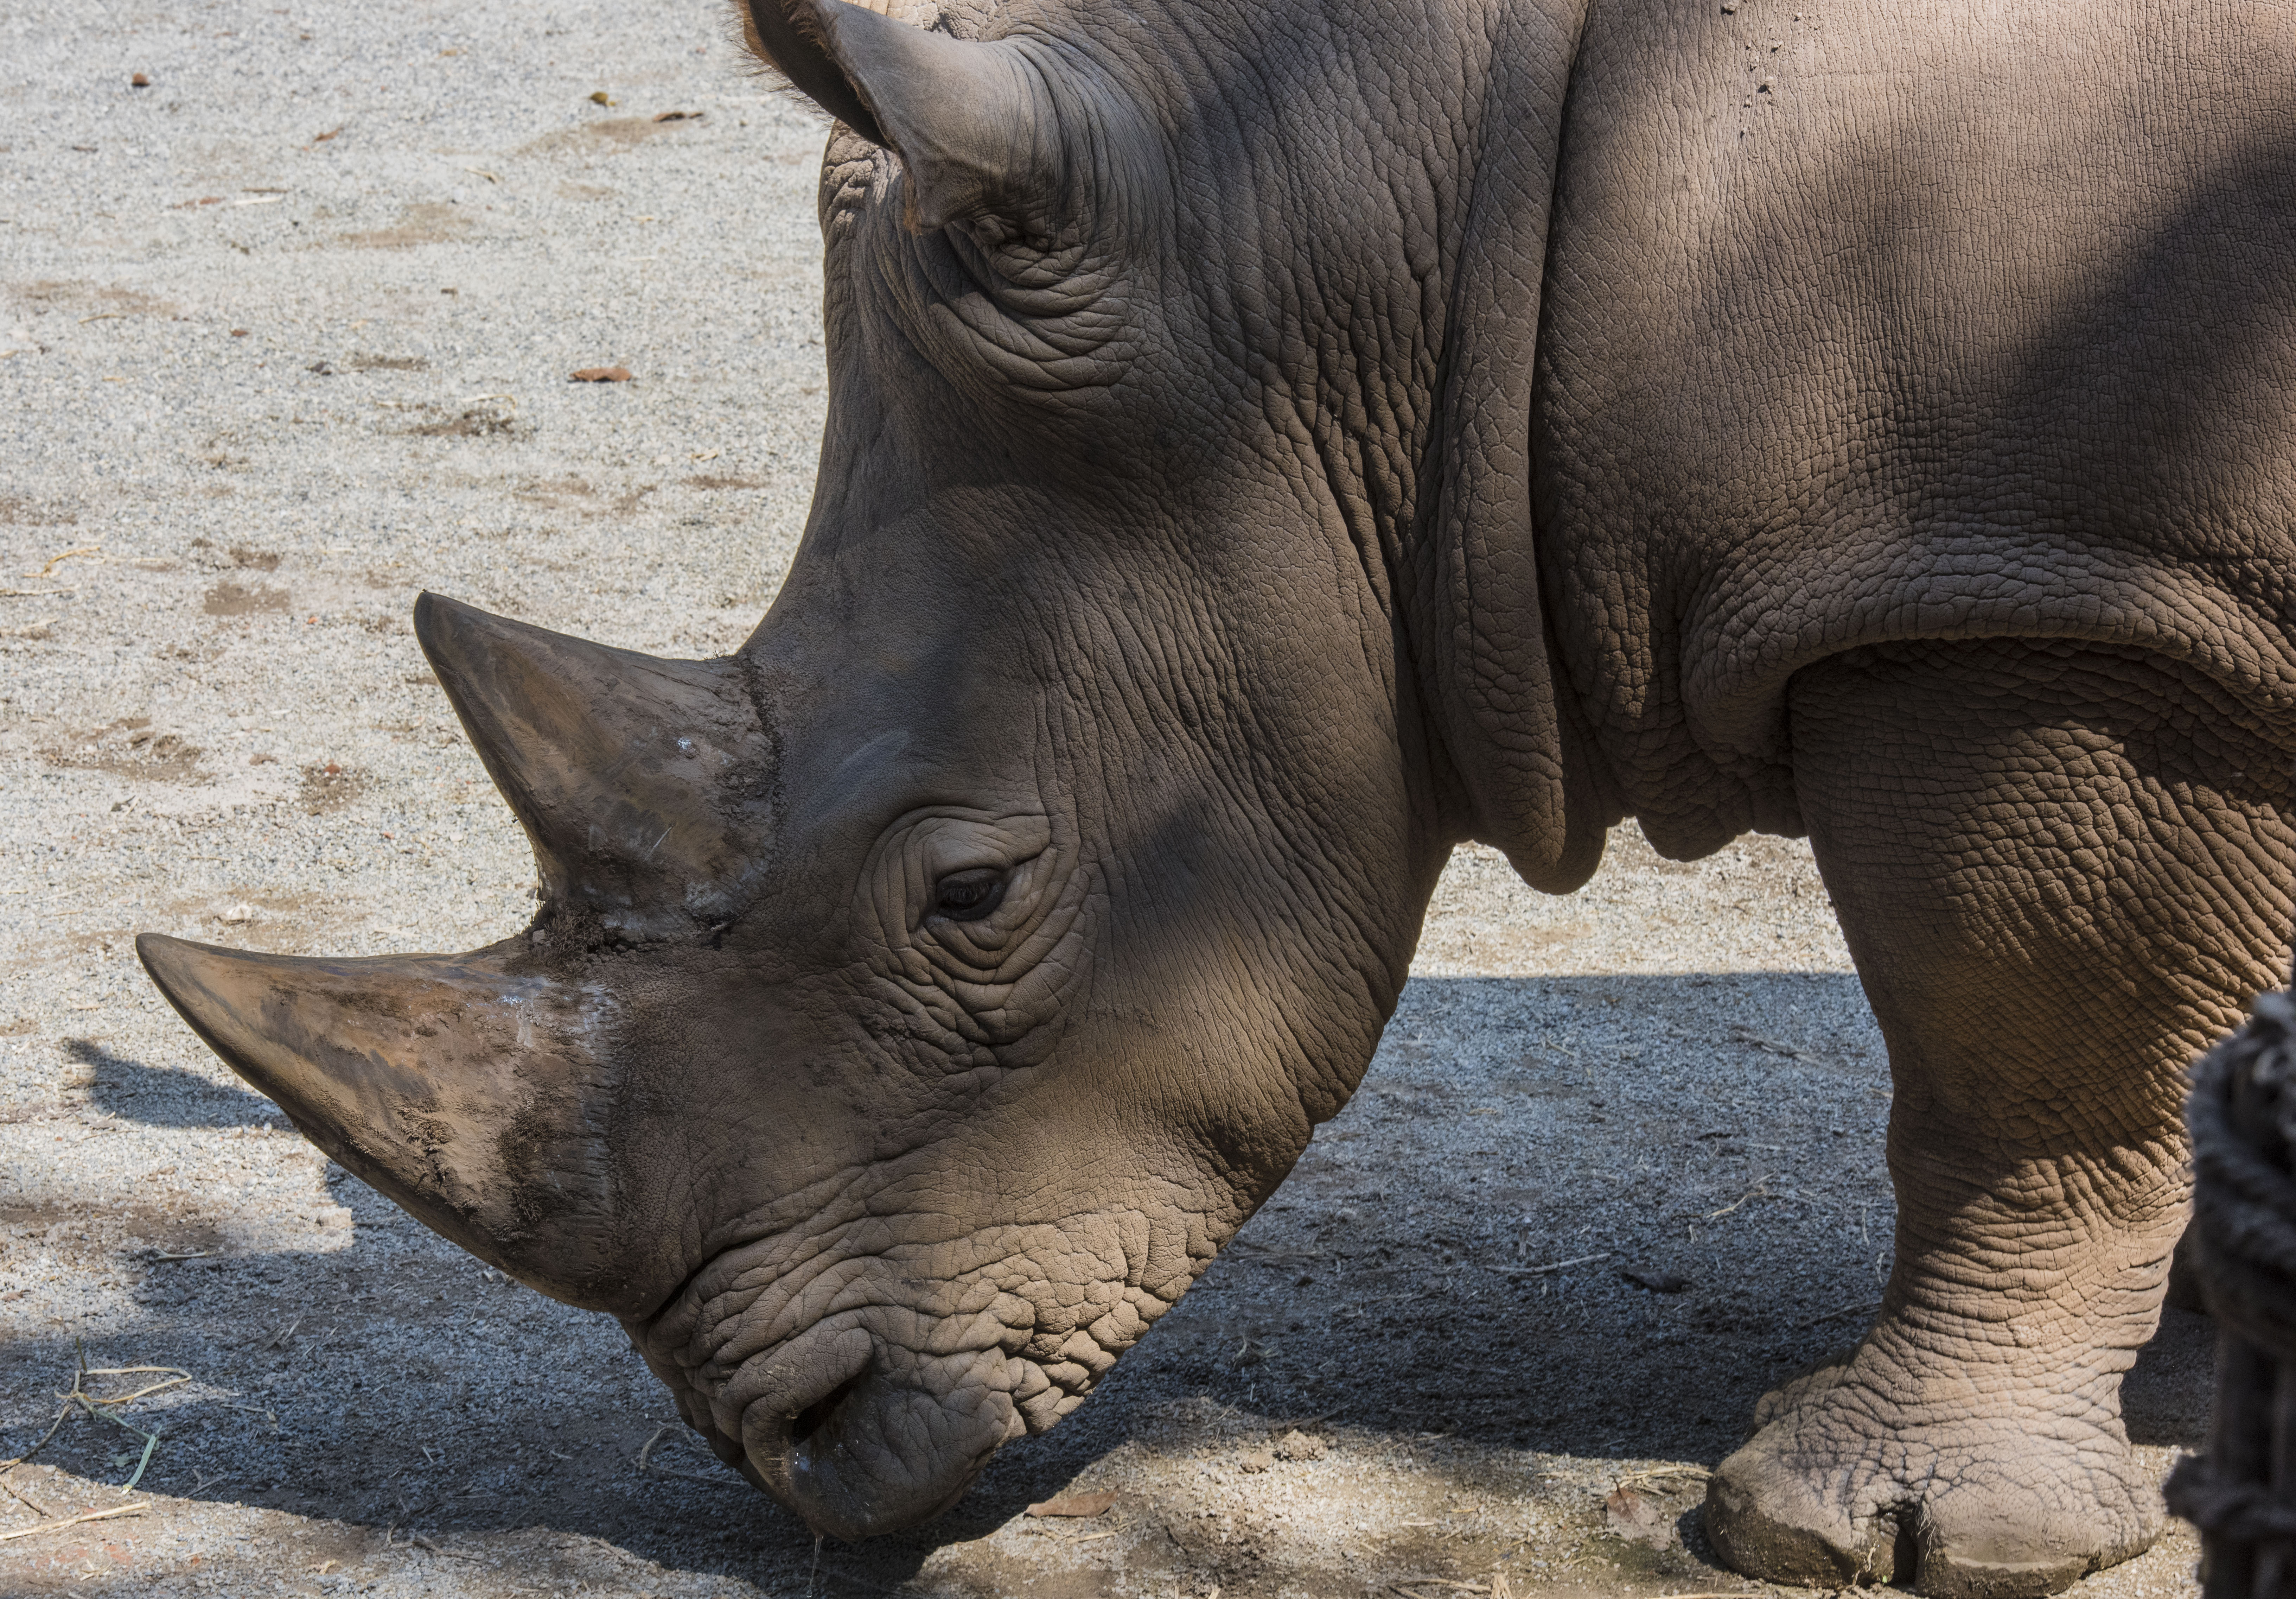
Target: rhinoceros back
(1873, 323)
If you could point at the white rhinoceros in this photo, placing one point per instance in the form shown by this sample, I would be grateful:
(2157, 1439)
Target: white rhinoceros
(1273, 441)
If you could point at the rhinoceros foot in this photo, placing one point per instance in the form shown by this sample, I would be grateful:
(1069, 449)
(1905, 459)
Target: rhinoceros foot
(1990, 1492)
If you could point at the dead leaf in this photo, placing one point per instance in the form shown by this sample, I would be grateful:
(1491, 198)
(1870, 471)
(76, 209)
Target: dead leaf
(1657, 1281)
(600, 97)
(330, 132)
(600, 375)
(1076, 1505)
(680, 116)
(1632, 1516)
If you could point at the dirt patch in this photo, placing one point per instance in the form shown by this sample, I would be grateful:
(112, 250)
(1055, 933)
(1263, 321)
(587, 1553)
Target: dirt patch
(605, 137)
(431, 222)
(76, 294)
(715, 481)
(567, 493)
(165, 1229)
(100, 940)
(254, 560)
(385, 363)
(236, 599)
(130, 747)
(328, 788)
(475, 422)
(16, 511)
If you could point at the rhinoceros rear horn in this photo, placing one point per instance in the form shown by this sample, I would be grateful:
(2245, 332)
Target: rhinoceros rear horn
(641, 782)
(969, 118)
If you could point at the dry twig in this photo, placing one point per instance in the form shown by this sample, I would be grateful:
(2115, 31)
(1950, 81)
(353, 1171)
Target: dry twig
(1655, 1472)
(1843, 1310)
(26, 1500)
(57, 560)
(1759, 1190)
(85, 1515)
(1552, 1265)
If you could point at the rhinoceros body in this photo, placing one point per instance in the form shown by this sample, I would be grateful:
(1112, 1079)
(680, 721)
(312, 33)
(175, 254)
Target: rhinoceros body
(1272, 442)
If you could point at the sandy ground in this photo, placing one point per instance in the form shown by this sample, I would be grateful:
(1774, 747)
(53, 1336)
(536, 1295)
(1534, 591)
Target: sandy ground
(286, 339)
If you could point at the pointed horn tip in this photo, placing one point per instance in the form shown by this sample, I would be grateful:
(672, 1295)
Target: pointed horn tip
(438, 619)
(171, 963)
(209, 986)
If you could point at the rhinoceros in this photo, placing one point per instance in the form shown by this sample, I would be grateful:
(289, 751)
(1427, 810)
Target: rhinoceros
(1271, 441)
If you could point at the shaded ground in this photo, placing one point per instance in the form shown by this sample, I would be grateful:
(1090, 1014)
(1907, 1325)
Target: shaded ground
(213, 720)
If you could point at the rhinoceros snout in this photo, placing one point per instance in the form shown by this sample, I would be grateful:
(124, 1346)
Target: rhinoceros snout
(856, 1442)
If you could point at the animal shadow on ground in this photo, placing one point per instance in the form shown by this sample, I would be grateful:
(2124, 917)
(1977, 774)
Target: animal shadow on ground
(1587, 1219)
(163, 1096)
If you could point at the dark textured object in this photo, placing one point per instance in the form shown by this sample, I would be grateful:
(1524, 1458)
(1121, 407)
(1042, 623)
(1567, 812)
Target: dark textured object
(1269, 443)
(2241, 1493)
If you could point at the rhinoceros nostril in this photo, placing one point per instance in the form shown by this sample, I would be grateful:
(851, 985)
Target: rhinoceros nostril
(814, 1416)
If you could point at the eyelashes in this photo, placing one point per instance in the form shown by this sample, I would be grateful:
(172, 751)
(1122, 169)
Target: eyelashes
(969, 896)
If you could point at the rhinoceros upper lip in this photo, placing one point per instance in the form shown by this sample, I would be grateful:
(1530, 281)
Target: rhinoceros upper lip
(825, 1364)
(818, 1370)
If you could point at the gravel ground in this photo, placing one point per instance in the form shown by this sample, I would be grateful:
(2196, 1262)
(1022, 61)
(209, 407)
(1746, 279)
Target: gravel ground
(287, 333)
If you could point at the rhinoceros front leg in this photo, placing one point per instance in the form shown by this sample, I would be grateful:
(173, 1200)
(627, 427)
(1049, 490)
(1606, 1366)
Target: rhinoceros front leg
(2062, 871)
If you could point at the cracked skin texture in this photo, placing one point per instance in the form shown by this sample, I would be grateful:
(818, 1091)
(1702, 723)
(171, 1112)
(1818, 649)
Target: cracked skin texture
(1269, 443)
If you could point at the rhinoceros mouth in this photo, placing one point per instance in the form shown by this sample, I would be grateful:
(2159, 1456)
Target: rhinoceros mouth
(827, 1425)
(818, 1414)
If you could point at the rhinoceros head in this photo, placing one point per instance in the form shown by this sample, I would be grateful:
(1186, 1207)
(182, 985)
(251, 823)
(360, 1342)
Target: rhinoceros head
(920, 996)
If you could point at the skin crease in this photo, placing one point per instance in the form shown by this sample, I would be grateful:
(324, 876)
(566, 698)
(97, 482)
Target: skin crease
(1269, 444)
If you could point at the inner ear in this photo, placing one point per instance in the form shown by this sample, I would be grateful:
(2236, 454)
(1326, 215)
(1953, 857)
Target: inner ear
(789, 39)
(971, 119)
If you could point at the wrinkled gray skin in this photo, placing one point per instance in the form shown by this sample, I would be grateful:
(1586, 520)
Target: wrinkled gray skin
(1271, 442)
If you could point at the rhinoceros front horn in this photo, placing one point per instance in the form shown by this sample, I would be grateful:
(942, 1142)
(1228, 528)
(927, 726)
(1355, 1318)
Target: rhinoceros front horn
(642, 783)
(469, 1094)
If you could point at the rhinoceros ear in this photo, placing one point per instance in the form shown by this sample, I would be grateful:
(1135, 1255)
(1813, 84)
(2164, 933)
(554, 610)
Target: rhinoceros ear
(638, 778)
(969, 118)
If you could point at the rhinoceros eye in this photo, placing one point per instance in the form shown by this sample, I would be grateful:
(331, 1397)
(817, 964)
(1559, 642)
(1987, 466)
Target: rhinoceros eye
(969, 896)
